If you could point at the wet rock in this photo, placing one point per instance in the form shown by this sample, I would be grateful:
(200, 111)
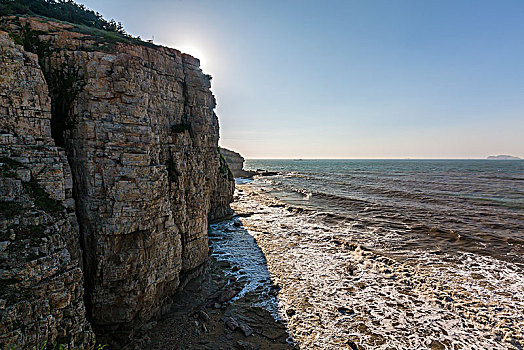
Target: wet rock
(245, 329)
(203, 316)
(345, 311)
(290, 312)
(227, 295)
(267, 173)
(244, 215)
(231, 323)
(245, 345)
(274, 290)
(276, 205)
(237, 224)
(436, 345)
(352, 344)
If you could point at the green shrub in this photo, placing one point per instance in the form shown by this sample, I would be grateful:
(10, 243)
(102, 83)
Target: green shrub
(63, 10)
(224, 168)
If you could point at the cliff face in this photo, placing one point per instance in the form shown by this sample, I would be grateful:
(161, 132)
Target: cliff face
(41, 283)
(138, 128)
(223, 193)
(235, 161)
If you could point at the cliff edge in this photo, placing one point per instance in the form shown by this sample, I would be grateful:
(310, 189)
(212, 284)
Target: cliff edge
(236, 163)
(110, 175)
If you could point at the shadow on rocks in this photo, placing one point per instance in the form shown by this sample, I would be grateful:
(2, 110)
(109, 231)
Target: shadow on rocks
(226, 307)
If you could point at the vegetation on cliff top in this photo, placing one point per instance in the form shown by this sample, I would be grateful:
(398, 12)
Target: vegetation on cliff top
(106, 34)
(63, 10)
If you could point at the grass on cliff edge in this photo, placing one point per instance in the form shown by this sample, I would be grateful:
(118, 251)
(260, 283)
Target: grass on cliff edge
(63, 10)
(105, 33)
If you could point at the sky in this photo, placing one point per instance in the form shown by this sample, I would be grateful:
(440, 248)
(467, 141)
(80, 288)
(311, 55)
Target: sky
(351, 79)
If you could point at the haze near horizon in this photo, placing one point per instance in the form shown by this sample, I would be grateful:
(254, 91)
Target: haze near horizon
(351, 79)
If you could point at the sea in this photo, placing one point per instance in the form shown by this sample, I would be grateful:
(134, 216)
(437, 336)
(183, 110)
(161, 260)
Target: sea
(455, 205)
(392, 254)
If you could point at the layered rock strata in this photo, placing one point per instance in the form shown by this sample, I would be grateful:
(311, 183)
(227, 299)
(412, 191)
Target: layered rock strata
(41, 283)
(236, 163)
(137, 124)
(223, 193)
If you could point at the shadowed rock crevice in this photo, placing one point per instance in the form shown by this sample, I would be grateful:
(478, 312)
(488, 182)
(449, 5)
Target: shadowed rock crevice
(41, 301)
(65, 83)
(138, 127)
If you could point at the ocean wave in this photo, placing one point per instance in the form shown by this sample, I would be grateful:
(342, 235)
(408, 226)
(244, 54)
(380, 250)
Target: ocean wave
(350, 280)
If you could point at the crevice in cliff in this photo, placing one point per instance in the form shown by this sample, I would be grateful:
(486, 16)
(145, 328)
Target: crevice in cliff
(182, 127)
(65, 82)
(87, 244)
(64, 85)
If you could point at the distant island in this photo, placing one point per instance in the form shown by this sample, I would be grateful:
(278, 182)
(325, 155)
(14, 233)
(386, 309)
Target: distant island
(503, 157)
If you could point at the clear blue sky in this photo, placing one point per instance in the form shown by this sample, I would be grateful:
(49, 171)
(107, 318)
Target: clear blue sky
(351, 79)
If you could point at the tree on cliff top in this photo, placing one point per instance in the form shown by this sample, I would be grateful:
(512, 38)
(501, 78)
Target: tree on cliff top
(63, 10)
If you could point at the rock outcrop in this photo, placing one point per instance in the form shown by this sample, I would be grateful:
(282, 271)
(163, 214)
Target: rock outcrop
(236, 163)
(223, 193)
(503, 157)
(136, 172)
(41, 283)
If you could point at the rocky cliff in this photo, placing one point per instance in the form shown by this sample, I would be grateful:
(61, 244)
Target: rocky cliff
(119, 139)
(41, 283)
(223, 193)
(236, 163)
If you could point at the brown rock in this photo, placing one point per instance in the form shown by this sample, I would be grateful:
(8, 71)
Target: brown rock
(227, 295)
(136, 160)
(41, 283)
(231, 323)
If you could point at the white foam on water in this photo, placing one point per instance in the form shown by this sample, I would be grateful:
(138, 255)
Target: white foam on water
(339, 285)
(236, 246)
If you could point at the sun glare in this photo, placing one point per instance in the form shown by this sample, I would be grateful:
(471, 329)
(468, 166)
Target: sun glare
(195, 52)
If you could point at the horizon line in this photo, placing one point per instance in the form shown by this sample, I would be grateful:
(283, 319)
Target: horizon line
(407, 158)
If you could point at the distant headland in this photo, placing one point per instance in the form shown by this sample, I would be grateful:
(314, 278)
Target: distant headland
(503, 157)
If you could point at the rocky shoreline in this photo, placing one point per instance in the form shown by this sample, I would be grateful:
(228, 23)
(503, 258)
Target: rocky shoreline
(335, 290)
(220, 309)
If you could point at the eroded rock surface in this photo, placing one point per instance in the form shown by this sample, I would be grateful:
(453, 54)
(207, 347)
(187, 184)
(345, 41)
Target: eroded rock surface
(137, 124)
(41, 283)
(223, 193)
(235, 162)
